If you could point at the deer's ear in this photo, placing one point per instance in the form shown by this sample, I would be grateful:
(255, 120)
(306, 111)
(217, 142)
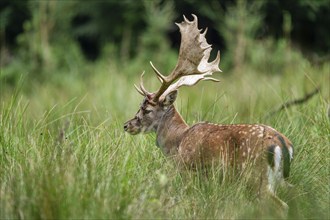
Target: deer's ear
(170, 98)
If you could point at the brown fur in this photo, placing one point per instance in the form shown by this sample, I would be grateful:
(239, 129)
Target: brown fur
(204, 143)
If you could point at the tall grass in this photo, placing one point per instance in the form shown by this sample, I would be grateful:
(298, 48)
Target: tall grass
(64, 153)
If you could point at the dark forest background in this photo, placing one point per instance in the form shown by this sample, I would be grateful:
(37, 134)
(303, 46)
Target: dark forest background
(39, 35)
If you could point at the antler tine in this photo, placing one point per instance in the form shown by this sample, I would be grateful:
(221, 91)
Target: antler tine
(216, 62)
(139, 90)
(159, 75)
(204, 32)
(142, 86)
(211, 79)
(186, 20)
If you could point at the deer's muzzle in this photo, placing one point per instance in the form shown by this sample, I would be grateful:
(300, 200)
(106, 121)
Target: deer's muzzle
(131, 128)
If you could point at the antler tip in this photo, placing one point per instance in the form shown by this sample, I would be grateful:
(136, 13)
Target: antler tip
(204, 32)
(185, 19)
(195, 19)
(212, 79)
(159, 75)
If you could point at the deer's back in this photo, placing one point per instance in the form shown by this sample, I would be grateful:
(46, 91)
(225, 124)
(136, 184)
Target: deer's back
(235, 144)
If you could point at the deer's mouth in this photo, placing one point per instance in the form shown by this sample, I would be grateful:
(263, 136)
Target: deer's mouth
(129, 128)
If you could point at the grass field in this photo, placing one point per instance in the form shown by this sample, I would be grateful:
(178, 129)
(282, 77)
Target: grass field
(64, 153)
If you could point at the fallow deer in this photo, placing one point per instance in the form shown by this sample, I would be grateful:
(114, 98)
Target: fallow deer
(204, 143)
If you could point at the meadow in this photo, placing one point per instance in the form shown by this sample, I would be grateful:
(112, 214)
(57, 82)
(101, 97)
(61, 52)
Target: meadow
(64, 153)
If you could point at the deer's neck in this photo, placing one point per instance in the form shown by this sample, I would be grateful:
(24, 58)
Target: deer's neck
(170, 131)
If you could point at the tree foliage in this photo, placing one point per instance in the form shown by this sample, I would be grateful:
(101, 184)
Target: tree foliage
(55, 34)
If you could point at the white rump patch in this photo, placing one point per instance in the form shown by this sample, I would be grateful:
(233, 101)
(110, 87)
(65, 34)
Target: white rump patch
(291, 153)
(277, 157)
(275, 174)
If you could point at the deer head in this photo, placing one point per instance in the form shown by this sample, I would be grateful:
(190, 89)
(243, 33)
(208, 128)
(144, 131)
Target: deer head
(192, 66)
(149, 114)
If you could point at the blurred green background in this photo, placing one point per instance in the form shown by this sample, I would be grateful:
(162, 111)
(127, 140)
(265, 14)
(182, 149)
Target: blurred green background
(41, 38)
(66, 88)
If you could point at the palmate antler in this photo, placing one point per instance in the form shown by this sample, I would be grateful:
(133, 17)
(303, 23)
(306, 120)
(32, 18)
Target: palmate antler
(192, 65)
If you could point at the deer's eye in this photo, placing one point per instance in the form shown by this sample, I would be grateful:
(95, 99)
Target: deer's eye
(147, 111)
